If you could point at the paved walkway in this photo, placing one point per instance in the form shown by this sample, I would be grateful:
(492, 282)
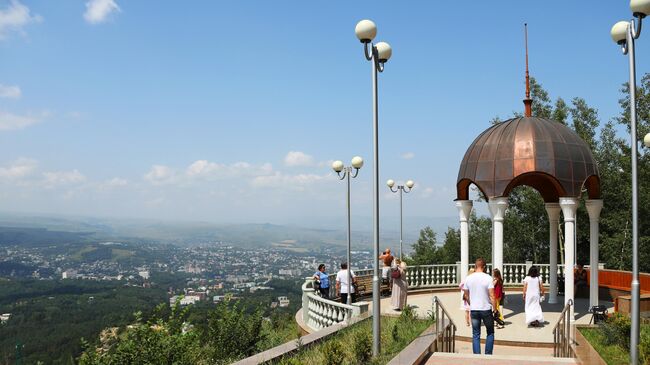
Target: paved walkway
(456, 359)
(516, 332)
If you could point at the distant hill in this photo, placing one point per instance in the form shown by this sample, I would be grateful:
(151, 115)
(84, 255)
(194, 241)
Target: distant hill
(37, 230)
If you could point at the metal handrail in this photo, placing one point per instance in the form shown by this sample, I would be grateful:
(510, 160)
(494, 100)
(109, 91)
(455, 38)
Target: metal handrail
(446, 336)
(562, 333)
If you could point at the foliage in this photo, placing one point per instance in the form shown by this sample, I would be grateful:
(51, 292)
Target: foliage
(49, 317)
(233, 334)
(169, 338)
(611, 354)
(425, 250)
(362, 347)
(354, 345)
(155, 342)
(333, 353)
(617, 330)
(612, 340)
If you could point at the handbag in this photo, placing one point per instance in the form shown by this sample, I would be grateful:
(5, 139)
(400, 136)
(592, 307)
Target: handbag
(395, 274)
(497, 318)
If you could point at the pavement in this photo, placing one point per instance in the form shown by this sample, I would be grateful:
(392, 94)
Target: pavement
(516, 332)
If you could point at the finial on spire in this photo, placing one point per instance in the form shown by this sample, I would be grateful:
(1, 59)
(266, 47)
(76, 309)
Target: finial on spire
(528, 101)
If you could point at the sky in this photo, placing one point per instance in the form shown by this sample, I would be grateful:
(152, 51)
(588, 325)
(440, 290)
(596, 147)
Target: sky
(232, 111)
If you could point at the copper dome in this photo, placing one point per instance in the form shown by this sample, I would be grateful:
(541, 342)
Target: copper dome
(536, 152)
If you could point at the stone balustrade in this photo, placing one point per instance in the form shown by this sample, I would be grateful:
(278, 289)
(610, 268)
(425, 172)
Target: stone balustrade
(319, 312)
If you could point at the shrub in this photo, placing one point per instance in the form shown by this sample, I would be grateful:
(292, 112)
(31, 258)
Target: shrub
(408, 314)
(395, 332)
(617, 330)
(333, 353)
(290, 361)
(362, 347)
(644, 345)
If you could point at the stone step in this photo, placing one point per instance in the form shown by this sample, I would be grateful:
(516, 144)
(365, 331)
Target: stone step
(441, 358)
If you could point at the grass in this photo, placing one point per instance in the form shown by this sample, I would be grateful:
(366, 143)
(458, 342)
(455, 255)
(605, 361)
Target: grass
(612, 354)
(353, 345)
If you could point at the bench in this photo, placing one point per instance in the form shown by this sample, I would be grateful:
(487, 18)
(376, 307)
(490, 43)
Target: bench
(364, 285)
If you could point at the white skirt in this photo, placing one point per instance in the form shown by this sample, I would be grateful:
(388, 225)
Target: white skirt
(533, 309)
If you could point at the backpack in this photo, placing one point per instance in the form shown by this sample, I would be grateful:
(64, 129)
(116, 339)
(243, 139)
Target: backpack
(395, 274)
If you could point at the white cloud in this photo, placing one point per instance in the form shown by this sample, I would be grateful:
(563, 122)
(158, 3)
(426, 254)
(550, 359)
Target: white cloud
(63, 177)
(18, 169)
(427, 192)
(116, 182)
(98, 11)
(297, 158)
(10, 121)
(212, 170)
(280, 180)
(10, 92)
(408, 155)
(159, 174)
(14, 17)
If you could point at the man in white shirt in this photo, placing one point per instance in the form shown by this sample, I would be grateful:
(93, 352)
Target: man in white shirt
(342, 284)
(479, 293)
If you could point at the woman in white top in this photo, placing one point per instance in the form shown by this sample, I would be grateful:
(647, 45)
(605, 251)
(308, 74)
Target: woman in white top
(533, 292)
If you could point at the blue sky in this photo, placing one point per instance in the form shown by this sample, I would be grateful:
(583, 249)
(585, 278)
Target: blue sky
(232, 111)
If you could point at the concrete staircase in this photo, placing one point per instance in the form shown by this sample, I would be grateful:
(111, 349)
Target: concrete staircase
(440, 358)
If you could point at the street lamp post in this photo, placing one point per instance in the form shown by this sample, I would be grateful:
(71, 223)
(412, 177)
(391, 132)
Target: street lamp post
(378, 54)
(624, 33)
(402, 189)
(347, 173)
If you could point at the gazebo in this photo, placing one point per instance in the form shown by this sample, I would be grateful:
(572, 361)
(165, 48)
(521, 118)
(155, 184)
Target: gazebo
(549, 157)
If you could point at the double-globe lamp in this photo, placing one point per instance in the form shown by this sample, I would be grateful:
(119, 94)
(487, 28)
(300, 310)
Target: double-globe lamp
(378, 54)
(624, 33)
(347, 173)
(406, 188)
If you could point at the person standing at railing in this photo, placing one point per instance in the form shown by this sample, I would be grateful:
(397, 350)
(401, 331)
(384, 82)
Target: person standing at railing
(400, 286)
(342, 284)
(533, 292)
(479, 293)
(323, 279)
(387, 260)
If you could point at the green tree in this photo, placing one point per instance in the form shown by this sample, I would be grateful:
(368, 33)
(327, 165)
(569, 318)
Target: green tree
(425, 250)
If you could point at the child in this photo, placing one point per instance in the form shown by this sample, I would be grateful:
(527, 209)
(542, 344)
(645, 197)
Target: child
(464, 305)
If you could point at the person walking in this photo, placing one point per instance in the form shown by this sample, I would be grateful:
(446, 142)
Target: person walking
(342, 284)
(479, 293)
(499, 294)
(323, 279)
(400, 286)
(533, 293)
(463, 303)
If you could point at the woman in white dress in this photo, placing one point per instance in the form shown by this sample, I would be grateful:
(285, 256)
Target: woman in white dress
(533, 292)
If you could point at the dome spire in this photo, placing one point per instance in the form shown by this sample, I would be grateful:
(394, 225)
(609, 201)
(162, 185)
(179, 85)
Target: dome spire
(528, 101)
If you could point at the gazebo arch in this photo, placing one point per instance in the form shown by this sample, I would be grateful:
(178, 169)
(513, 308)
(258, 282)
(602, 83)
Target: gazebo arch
(547, 156)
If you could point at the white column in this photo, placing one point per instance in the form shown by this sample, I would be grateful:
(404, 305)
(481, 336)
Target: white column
(498, 208)
(593, 208)
(569, 208)
(553, 211)
(464, 210)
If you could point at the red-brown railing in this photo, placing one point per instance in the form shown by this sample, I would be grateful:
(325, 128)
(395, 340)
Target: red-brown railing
(621, 280)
